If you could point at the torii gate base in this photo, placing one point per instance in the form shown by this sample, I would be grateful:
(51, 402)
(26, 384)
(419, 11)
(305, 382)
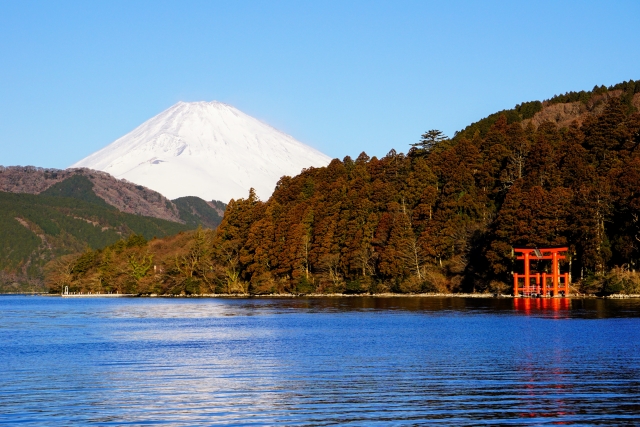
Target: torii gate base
(541, 287)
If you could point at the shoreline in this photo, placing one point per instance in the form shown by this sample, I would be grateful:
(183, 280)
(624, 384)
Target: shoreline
(299, 296)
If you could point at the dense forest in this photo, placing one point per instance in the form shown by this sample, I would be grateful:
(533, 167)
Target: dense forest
(442, 218)
(67, 218)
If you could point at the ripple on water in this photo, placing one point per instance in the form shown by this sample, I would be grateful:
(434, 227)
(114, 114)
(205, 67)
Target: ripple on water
(349, 361)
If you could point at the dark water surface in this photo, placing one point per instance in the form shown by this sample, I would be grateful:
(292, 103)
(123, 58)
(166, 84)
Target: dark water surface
(333, 361)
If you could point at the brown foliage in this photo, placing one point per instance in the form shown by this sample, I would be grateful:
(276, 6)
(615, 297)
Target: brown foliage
(437, 221)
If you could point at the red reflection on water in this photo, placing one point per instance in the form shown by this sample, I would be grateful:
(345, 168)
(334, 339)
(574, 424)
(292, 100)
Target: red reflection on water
(537, 397)
(541, 399)
(556, 307)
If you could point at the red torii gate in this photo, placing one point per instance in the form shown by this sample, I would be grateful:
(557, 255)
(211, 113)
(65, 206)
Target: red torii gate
(541, 286)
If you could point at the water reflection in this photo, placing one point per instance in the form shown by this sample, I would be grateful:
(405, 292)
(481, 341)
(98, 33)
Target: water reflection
(556, 308)
(325, 361)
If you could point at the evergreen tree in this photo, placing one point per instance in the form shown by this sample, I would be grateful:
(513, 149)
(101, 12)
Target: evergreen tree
(428, 141)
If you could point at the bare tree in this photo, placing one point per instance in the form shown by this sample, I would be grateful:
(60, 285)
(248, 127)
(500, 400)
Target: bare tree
(413, 256)
(61, 272)
(366, 257)
(231, 271)
(304, 250)
(330, 268)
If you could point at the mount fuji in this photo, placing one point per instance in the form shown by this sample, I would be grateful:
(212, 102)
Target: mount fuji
(206, 149)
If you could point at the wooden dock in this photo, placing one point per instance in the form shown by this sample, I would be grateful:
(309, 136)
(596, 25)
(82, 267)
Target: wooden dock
(96, 295)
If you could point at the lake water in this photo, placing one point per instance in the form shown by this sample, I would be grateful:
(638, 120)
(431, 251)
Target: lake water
(312, 362)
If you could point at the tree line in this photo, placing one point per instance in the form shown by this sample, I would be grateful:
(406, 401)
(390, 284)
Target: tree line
(442, 218)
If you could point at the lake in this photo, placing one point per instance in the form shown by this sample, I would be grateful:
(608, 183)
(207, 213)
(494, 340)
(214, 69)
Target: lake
(358, 361)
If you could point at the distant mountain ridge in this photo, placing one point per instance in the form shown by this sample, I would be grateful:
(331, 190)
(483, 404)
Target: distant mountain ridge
(125, 196)
(206, 149)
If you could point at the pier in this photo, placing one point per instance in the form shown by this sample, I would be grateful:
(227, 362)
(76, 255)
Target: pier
(66, 294)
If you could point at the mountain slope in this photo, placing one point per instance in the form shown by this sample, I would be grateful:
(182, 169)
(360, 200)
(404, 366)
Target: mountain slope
(37, 228)
(77, 187)
(194, 212)
(68, 217)
(124, 196)
(101, 188)
(205, 149)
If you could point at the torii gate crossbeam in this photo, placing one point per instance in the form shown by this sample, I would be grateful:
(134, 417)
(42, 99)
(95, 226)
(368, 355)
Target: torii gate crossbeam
(541, 287)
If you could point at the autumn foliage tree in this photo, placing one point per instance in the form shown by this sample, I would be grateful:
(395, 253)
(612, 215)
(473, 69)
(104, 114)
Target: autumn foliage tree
(444, 217)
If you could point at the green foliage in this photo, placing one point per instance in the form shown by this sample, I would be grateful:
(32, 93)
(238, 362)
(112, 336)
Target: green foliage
(37, 228)
(77, 187)
(140, 265)
(355, 287)
(196, 212)
(308, 188)
(612, 287)
(581, 96)
(84, 262)
(527, 110)
(192, 286)
(135, 240)
(18, 242)
(429, 140)
(305, 286)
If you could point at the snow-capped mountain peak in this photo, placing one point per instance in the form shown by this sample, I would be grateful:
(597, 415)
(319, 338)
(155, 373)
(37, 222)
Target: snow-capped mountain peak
(206, 149)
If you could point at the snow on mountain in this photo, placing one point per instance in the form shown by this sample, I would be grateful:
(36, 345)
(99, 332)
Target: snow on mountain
(206, 149)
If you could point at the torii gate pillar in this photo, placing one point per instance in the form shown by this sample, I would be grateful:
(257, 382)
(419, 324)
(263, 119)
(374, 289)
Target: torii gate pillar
(541, 289)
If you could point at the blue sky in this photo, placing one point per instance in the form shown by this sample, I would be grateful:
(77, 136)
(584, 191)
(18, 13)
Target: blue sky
(342, 76)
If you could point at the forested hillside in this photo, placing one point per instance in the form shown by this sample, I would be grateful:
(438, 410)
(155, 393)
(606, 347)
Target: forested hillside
(68, 218)
(36, 228)
(444, 217)
(564, 110)
(195, 212)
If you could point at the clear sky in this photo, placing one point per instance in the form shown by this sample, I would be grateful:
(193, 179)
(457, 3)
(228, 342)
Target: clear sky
(342, 76)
